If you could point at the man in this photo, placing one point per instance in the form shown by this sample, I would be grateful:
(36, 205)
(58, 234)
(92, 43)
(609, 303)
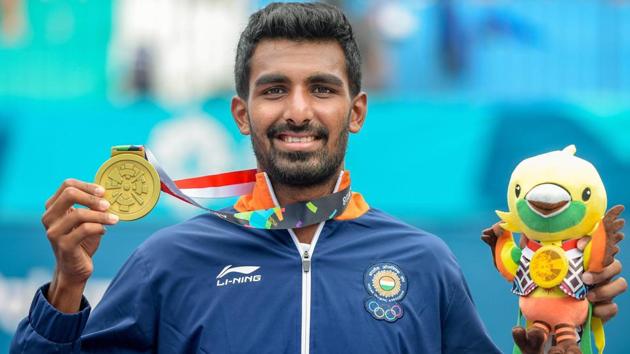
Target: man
(360, 283)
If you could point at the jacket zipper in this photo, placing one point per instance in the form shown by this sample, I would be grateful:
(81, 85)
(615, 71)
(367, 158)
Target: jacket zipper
(306, 302)
(307, 257)
(306, 262)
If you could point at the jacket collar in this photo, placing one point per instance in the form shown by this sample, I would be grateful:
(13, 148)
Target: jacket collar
(263, 197)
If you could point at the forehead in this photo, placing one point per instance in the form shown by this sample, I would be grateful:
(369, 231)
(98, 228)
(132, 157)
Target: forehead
(297, 59)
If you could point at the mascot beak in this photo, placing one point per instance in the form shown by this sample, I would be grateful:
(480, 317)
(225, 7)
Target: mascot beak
(548, 199)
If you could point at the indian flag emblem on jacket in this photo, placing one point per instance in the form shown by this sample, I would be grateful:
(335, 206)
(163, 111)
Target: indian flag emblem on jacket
(387, 285)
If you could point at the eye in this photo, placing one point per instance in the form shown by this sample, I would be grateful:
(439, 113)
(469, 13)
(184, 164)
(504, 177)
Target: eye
(274, 91)
(517, 190)
(322, 90)
(586, 194)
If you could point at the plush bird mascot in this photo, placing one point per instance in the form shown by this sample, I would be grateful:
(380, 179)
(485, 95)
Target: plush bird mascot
(555, 200)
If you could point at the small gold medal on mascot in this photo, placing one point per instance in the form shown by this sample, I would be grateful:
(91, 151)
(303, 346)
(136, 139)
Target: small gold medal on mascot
(132, 185)
(549, 266)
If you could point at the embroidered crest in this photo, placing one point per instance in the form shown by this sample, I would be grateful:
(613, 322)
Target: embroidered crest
(387, 286)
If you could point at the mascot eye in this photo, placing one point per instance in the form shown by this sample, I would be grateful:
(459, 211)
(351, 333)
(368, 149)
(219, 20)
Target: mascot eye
(586, 194)
(517, 190)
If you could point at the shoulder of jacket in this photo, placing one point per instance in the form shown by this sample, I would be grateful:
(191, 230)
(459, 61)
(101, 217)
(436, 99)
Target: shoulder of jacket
(398, 230)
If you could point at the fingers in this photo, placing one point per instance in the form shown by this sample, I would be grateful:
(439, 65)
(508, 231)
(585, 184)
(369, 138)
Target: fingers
(605, 311)
(606, 292)
(497, 229)
(77, 217)
(72, 240)
(90, 188)
(611, 270)
(583, 242)
(522, 242)
(66, 199)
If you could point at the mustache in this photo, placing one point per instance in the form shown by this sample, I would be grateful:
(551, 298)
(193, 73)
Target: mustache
(318, 131)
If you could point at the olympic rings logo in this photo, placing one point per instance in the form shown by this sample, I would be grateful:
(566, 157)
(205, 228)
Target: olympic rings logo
(392, 314)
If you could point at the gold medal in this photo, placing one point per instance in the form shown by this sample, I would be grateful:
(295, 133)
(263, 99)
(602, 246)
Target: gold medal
(132, 185)
(548, 266)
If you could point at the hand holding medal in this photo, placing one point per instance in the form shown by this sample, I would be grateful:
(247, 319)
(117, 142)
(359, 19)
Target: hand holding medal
(74, 234)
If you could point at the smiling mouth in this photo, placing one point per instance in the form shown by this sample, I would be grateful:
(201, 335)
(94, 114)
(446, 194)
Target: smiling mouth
(303, 141)
(305, 138)
(297, 143)
(297, 139)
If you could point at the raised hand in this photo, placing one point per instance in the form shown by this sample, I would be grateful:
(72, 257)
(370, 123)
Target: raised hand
(74, 234)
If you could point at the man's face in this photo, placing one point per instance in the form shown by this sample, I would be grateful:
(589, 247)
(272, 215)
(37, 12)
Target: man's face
(299, 110)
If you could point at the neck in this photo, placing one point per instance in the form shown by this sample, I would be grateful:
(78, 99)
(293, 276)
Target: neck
(292, 194)
(287, 194)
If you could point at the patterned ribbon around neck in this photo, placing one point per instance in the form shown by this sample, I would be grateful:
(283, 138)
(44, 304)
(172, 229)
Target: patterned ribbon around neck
(240, 183)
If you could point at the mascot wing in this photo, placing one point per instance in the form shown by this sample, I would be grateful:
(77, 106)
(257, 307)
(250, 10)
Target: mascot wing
(601, 250)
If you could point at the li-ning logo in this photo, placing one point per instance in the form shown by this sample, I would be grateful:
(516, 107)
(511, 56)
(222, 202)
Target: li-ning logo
(246, 278)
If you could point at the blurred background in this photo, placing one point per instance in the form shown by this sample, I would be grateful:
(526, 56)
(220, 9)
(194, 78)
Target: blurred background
(459, 93)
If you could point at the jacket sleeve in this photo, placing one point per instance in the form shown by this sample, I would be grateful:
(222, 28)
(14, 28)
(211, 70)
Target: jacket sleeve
(462, 329)
(123, 322)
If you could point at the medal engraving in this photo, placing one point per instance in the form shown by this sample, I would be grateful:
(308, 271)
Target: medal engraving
(132, 186)
(549, 266)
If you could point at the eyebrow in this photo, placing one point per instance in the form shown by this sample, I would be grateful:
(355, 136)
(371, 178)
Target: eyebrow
(321, 78)
(271, 79)
(325, 79)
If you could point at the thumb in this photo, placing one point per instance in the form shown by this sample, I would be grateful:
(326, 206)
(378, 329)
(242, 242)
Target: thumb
(581, 245)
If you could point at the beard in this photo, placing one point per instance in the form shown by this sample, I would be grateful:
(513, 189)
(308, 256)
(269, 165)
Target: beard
(300, 168)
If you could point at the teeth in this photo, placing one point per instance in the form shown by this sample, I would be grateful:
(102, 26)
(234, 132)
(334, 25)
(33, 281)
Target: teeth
(296, 139)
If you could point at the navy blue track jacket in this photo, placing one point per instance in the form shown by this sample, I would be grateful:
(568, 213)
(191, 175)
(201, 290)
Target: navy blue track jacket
(368, 284)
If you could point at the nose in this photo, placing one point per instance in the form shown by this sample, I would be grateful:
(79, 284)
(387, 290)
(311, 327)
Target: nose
(299, 108)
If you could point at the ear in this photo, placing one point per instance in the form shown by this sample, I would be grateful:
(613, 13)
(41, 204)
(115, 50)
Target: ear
(358, 112)
(239, 113)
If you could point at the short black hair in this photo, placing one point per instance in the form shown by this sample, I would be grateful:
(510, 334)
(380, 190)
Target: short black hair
(298, 22)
